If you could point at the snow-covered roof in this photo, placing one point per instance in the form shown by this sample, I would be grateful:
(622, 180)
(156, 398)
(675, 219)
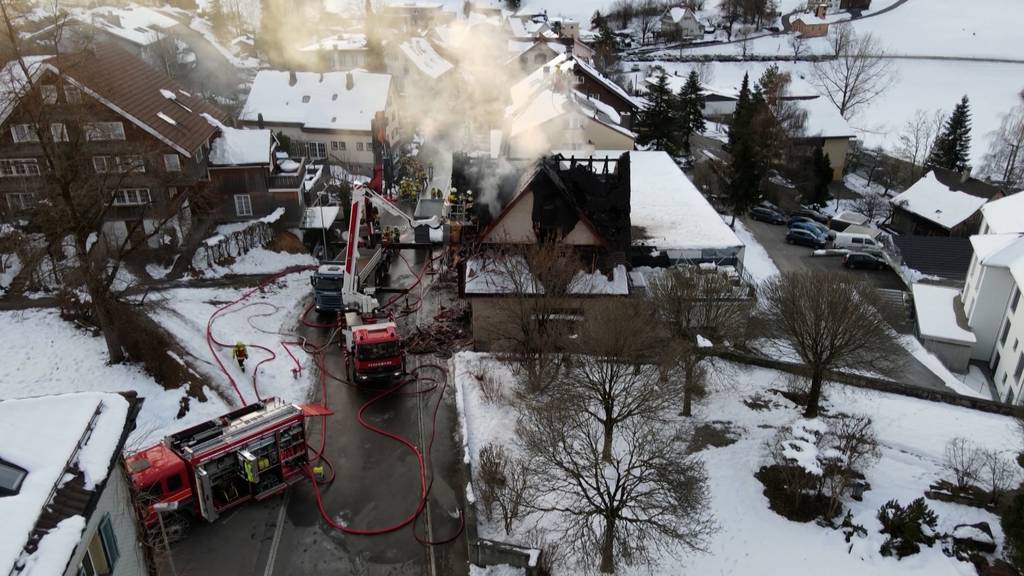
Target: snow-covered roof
(422, 54)
(346, 42)
(824, 119)
(484, 276)
(1001, 251)
(318, 101)
(54, 438)
(934, 201)
(137, 24)
(236, 147)
(319, 217)
(936, 310)
(670, 209)
(677, 13)
(810, 19)
(1005, 215)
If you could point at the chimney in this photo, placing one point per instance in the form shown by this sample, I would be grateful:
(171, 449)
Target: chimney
(293, 78)
(819, 10)
(965, 175)
(259, 120)
(350, 81)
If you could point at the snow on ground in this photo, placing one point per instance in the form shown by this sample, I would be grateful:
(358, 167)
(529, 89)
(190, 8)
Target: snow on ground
(267, 319)
(499, 570)
(12, 269)
(753, 539)
(756, 261)
(46, 355)
(928, 85)
(260, 261)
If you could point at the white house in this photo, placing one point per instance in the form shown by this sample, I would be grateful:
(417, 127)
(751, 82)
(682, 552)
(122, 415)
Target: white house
(680, 23)
(339, 51)
(330, 114)
(64, 497)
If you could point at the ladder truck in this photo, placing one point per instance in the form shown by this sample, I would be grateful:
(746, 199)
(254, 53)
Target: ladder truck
(249, 454)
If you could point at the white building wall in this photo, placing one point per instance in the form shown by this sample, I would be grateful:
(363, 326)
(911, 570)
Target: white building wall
(987, 304)
(115, 501)
(1010, 350)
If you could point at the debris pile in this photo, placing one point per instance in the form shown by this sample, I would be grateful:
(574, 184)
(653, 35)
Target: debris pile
(448, 333)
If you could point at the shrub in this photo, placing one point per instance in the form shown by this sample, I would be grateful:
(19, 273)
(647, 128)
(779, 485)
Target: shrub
(490, 474)
(503, 481)
(907, 527)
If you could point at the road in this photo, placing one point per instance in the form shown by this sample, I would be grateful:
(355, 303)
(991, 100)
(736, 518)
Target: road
(377, 485)
(790, 258)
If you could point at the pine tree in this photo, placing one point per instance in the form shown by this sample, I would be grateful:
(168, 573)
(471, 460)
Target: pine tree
(658, 122)
(690, 106)
(597, 20)
(952, 148)
(821, 172)
(741, 115)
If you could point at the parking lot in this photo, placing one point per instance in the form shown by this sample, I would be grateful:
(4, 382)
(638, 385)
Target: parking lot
(793, 258)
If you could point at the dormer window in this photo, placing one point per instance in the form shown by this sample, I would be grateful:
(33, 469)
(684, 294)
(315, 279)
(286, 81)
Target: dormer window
(11, 478)
(305, 99)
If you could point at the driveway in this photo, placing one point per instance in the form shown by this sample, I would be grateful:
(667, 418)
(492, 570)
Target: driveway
(790, 258)
(377, 485)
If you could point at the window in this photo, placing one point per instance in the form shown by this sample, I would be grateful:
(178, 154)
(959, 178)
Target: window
(19, 167)
(1020, 368)
(109, 541)
(59, 132)
(101, 164)
(1006, 331)
(243, 205)
(359, 146)
(133, 163)
(132, 197)
(49, 93)
(24, 133)
(104, 131)
(72, 94)
(102, 554)
(11, 477)
(172, 163)
(338, 145)
(1015, 299)
(172, 192)
(173, 483)
(316, 149)
(18, 201)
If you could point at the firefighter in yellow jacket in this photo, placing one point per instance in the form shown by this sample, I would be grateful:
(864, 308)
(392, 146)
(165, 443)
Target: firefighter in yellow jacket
(240, 354)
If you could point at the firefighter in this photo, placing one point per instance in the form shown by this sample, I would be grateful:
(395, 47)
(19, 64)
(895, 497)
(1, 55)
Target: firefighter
(240, 354)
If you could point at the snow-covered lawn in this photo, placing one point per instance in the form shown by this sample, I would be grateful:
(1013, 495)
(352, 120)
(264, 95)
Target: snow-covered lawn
(11, 270)
(752, 538)
(260, 261)
(46, 355)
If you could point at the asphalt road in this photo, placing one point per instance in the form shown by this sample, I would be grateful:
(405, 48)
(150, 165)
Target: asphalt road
(377, 485)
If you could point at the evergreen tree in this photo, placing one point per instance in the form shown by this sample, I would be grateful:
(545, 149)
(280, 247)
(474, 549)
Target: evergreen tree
(821, 174)
(690, 110)
(606, 50)
(597, 20)
(952, 148)
(658, 122)
(218, 20)
(741, 116)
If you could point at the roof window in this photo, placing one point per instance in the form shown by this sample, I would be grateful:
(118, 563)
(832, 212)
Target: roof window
(11, 477)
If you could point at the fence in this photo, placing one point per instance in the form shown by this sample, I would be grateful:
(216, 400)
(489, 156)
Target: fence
(220, 249)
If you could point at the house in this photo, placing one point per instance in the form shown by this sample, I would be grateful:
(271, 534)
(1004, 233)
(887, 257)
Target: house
(551, 111)
(419, 68)
(719, 101)
(942, 203)
(680, 23)
(525, 27)
(338, 52)
(812, 25)
(325, 115)
(825, 127)
(413, 15)
(64, 495)
(251, 181)
(135, 129)
(533, 54)
(1004, 215)
(992, 304)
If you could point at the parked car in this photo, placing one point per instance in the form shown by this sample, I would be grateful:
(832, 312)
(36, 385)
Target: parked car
(769, 205)
(864, 260)
(856, 242)
(767, 215)
(812, 214)
(812, 227)
(804, 238)
(808, 224)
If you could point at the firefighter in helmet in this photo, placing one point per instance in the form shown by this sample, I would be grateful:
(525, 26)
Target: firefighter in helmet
(240, 354)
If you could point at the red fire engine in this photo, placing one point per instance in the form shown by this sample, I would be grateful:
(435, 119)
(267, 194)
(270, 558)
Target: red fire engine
(374, 350)
(252, 453)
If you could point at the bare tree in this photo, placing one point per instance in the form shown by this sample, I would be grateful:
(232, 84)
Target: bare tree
(647, 13)
(852, 447)
(744, 42)
(796, 43)
(857, 74)
(964, 461)
(830, 322)
(73, 199)
(874, 206)
(839, 36)
(651, 496)
(615, 375)
(916, 139)
(997, 474)
(535, 319)
(1004, 162)
(698, 310)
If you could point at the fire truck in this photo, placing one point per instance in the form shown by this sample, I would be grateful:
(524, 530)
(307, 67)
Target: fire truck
(249, 454)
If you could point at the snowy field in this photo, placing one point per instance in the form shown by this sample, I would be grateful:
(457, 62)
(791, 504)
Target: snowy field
(46, 355)
(929, 85)
(753, 539)
(259, 261)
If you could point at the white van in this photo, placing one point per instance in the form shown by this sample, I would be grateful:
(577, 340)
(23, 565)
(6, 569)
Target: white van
(856, 242)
